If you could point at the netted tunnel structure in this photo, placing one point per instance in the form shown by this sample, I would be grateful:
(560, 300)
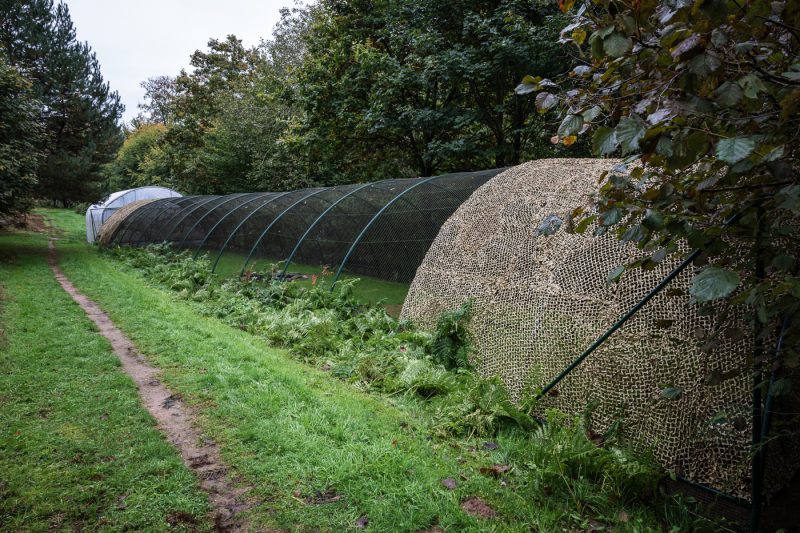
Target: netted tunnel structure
(539, 300)
(381, 229)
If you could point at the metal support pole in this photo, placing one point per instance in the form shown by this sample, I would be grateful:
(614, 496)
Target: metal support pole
(624, 318)
(229, 199)
(219, 199)
(288, 260)
(276, 219)
(236, 229)
(198, 201)
(619, 323)
(229, 213)
(757, 477)
(371, 222)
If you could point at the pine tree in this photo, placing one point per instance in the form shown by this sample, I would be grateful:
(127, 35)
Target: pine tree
(20, 136)
(79, 112)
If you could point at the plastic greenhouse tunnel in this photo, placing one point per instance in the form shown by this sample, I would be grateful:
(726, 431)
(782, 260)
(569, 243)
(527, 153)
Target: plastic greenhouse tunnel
(380, 230)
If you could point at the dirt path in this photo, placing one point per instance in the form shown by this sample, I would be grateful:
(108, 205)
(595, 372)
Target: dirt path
(175, 419)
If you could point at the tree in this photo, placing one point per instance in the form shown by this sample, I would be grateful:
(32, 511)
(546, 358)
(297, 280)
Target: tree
(138, 162)
(159, 106)
(79, 112)
(20, 140)
(219, 74)
(404, 88)
(706, 96)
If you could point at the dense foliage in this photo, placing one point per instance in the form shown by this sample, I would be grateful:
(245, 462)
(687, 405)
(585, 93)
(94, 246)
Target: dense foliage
(20, 140)
(705, 95)
(74, 105)
(349, 91)
(139, 161)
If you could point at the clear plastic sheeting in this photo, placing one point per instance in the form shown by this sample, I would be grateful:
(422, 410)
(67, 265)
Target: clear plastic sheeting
(381, 229)
(97, 214)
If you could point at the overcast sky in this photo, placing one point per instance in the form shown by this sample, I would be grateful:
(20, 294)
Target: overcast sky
(137, 39)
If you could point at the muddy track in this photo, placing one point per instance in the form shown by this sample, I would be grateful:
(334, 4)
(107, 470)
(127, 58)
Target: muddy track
(175, 419)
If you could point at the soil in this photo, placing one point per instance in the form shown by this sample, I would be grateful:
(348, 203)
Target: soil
(175, 419)
(31, 222)
(475, 506)
(394, 309)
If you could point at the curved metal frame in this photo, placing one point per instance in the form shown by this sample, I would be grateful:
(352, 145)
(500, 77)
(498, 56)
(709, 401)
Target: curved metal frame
(152, 206)
(418, 209)
(222, 198)
(202, 218)
(122, 229)
(313, 224)
(147, 187)
(274, 220)
(229, 213)
(206, 199)
(241, 223)
(371, 222)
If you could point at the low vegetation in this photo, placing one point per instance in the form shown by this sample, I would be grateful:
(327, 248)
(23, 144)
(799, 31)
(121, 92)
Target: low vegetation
(390, 431)
(557, 474)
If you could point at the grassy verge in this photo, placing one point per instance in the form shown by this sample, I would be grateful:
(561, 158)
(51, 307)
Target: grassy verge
(77, 451)
(324, 455)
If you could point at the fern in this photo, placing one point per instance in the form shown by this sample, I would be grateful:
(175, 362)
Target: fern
(451, 346)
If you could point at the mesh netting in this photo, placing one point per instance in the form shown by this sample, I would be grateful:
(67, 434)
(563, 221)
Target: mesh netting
(380, 229)
(539, 301)
(112, 224)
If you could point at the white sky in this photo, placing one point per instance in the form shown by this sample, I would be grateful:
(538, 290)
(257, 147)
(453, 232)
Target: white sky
(138, 39)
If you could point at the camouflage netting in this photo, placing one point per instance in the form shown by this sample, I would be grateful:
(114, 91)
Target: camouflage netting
(110, 226)
(539, 301)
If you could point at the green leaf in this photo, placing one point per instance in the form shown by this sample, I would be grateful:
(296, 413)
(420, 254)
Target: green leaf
(545, 101)
(581, 226)
(604, 141)
(752, 85)
(591, 113)
(615, 274)
(719, 417)
(526, 88)
(783, 262)
(571, 125)
(630, 131)
(653, 220)
(735, 149)
(617, 44)
(611, 217)
(728, 94)
(671, 393)
(789, 198)
(704, 64)
(713, 283)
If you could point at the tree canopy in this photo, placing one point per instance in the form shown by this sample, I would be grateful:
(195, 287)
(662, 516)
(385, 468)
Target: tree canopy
(20, 140)
(76, 108)
(355, 90)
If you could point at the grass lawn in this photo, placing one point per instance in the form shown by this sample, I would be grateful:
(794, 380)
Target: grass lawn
(293, 431)
(320, 454)
(77, 451)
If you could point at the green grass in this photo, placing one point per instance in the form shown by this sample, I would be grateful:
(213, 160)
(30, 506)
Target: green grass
(292, 431)
(284, 426)
(77, 451)
(370, 290)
